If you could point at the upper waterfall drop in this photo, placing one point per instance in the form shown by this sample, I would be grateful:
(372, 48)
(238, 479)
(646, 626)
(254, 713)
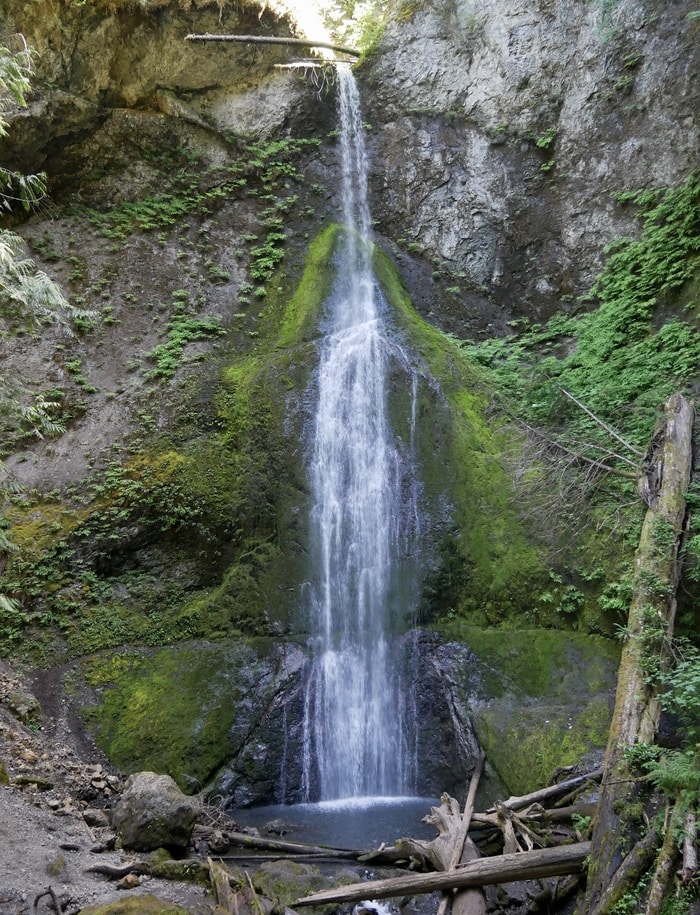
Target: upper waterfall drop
(359, 734)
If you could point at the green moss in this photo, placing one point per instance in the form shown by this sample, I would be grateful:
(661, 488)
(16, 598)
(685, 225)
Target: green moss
(538, 662)
(550, 697)
(136, 905)
(500, 566)
(301, 314)
(168, 711)
(286, 881)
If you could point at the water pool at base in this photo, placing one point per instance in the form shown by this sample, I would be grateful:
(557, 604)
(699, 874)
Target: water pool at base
(353, 823)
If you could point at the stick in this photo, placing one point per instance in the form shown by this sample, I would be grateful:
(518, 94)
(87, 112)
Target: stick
(468, 811)
(464, 827)
(278, 845)
(602, 423)
(270, 39)
(544, 862)
(515, 803)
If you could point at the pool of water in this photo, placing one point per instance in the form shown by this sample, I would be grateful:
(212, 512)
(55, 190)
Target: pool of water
(353, 823)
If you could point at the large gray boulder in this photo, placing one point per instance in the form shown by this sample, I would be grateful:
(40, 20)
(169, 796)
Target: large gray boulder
(153, 813)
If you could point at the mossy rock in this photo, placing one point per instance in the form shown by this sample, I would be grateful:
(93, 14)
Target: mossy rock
(169, 710)
(484, 557)
(287, 881)
(4, 775)
(136, 905)
(544, 699)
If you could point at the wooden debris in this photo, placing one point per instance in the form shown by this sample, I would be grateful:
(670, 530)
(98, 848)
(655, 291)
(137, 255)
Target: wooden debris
(663, 485)
(243, 840)
(274, 39)
(220, 879)
(469, 901)
(533, 865)
(545, 794)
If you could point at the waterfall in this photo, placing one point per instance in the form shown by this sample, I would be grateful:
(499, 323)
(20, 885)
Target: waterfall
(358, 739)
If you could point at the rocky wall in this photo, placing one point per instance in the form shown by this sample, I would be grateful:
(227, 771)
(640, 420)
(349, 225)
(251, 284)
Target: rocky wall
(502, 129)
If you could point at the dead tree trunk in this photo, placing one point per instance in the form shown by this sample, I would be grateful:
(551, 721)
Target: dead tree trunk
(469, 901)
(663, 486)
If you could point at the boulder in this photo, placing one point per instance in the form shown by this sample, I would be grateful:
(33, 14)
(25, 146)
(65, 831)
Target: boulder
(153, 813)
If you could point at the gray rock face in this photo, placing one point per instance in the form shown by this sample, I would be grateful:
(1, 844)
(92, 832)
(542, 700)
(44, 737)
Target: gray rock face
(91, 62)
(153, 813)
(503, 128)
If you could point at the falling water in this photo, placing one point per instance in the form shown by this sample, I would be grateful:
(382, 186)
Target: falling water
(358, 739)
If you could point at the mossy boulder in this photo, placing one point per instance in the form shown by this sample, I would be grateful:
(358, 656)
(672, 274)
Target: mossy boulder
(136, 905)
(152, 813)
(191, 710)
(539, 699)
(286, 881)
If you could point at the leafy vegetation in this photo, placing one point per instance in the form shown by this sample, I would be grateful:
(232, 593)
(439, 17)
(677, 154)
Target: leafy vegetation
(615, 359)
(182, 329)
(29, 299)
(15, 71)
(620, 360)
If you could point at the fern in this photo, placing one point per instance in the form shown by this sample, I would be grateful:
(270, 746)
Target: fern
(616, 359)
(677, 774)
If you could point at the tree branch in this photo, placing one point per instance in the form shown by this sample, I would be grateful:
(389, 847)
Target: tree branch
(601, 423)
(273, 39)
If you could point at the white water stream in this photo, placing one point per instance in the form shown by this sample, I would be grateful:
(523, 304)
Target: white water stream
(358, 728)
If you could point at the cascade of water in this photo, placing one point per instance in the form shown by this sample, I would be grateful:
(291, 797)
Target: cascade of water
(357, 741)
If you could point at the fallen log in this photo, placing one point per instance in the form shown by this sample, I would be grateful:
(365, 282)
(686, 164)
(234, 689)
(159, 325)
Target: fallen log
(242, 840)
(220, 878)
(274, 39)
(543, 794)
(544, 862)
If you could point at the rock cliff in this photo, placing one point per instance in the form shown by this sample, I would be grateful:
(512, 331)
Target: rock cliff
(501, 130)
(182, 177)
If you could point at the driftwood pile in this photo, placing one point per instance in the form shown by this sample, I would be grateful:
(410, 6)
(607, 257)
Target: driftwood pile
(451, 863)
(455, 859)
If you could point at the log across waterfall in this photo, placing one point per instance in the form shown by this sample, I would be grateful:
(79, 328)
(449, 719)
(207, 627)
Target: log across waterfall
(359, 736)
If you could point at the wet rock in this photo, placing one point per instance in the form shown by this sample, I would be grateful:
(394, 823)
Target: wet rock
(153, 813)
(136, 905)
(286, 881)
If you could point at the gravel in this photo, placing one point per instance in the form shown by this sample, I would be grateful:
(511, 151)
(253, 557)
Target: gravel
(57, 781)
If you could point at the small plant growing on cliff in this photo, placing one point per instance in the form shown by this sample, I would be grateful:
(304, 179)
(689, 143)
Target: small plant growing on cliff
(546, 140)
(183, 329)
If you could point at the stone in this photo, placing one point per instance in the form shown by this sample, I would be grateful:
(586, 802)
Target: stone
(136, 905)
(129, 882)
(153, 813)
(93, 816)
(285, 881)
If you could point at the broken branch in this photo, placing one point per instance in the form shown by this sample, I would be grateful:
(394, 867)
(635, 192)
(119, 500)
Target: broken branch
(274, 39)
